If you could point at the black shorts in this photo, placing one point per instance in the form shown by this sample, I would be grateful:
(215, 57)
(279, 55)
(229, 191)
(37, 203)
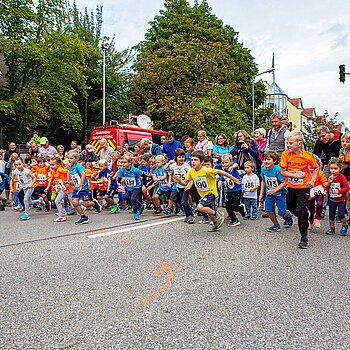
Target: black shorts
(164, 195)
(113, 192)
(101, 193)
(174, 195)
(40, 190)
(208, 201)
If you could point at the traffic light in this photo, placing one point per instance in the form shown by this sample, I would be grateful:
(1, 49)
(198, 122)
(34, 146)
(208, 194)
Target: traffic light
(342, 73)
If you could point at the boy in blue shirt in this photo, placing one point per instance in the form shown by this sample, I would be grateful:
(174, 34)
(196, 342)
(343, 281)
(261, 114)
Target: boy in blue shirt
(77, 175)
(4, 178)
(130, 177)
(234, 190)
(276, 192)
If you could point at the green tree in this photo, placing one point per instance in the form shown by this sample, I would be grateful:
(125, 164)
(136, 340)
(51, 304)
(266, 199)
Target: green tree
(191, 72)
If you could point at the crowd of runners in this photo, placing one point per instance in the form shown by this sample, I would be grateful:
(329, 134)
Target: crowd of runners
(272, 172)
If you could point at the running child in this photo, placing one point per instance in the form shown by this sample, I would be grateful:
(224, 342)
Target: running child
(43, 174)
(102, 182)
(250, 185)
(338, 194)
(273, 184)
(5, 182)
(144, 166)
(205, 181)
(77, 174)
(121, 189)
(295, 166)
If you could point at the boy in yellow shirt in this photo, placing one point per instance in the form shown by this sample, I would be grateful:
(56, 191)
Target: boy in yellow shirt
(205, 181)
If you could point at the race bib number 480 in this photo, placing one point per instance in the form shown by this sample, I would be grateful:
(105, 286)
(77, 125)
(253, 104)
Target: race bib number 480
(201, 183)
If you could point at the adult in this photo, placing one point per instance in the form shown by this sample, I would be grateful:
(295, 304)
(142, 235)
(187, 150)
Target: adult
(88, 154)
(73, 144)
(328, 142)
(246, 149)
(105, 152)
(34, 150)
(204, 144)
(12, 149)
(277, 136)
(126, 146)
(220, 148)
(171, 145)
(151, 148)
(261, 140)
(162, 140)
(60, 150)
(46, 149)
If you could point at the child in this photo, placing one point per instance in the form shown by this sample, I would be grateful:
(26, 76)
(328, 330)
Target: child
(316, 197)
(190, 146)
(144, 166)
(250, 184)
(26, 182)
(205, 182)
(130, 177)
(69, 189)
(163, 190)
(338, 191)
(295, 166)
(273, 183)
(43, 174)
(151, 178)
(121, 189)
(102, 182)
(234, 190)
(179, 169)
(4, 179)
(81, 187)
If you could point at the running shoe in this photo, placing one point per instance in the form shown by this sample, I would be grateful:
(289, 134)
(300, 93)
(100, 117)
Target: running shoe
(190, 220)
(234, 223)
(97, 206)
(253, 218)
(168, 211)
(24, 217)
(274, 228)
(227, 217)
(157, 211)
(114, 209)
(303, 243)
(142, 208)
(136, 217)
(60, 219)
(344, 230)
(289, 220)
(219, 222)
(330, 231)
(179, 212)
(204, 221)
(72, 212)
(82, 220)
(242, 205)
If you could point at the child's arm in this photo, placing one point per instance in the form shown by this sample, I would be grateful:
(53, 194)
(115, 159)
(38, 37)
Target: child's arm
(109, 183)
(311, 183)
(254, 188)
(286, 173)
(48, 185)
(262, 191)
(167, 165)
(220, 184)
(235, 180)
(82, 180)
(33, 180)
(234, 166)
(278, 188)
(189, 186)
(179, 181)
(170, 178)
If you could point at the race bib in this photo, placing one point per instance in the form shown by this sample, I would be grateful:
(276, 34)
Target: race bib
(295, 181)
(41, 178)
(130, 182)
(163, 182)
(181, 175)
(201, 183)
(334, 186)
(271, 182)
(20, 179)
(316, 191)
(229, 183)
(58, 188)
(76, 180)
(249, 185)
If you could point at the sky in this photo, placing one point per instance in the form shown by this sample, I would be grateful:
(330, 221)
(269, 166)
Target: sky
(310, 40)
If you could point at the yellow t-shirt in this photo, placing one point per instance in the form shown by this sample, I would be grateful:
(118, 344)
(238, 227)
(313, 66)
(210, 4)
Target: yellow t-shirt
(204, 180)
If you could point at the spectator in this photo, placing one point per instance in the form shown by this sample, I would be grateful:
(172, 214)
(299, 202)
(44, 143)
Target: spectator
(162, 140)
(126, 146)
(171, 145)
(73, 145)
(261, 140)
(12, 149)
(246, 150)
(204, 144)
(46, 149)
(277, 136)
(88, 155)
(34, 149)
(220, 148)
(105, 152)
(151, 148)
(35, 138)
(60, 150)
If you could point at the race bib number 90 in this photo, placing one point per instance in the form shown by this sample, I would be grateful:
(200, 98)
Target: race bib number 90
(201, 183)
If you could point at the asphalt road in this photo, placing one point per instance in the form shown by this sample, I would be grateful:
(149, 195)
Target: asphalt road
(69, 287)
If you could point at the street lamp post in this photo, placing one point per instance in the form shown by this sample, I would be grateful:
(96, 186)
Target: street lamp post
(253, 100)
(104, 86)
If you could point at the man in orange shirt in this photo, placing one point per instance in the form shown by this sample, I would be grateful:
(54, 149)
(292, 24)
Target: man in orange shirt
(295, 163)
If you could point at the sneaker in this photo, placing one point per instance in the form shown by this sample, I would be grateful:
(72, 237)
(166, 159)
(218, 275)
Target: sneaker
(47, 206)
(204, 221)
(131, 211)
(274, 228)
(289, 220)
(242, 205)
(190, 220)
(24, 217)
(285, 222)
(234, 223)
(82, 220)
(180, 212)
(114, 209)
(38, 209)
(97, 206)
(253, 218)
(142, 208)
(168, 211)
(149, 206)
(317, 223)
(136, 217)
(72, 212)
(157, 211)
(265, 215)
(344, 230)
(227, 217)
(246, 218)
(330, 231)
(60, 219)
(219, 222)
(303, 243)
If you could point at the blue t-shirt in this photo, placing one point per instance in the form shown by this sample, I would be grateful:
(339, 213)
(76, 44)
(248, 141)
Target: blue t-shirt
(132, 177)
(146, 170)
(106, 175)
(163, 184)
(76, 177)
(221, 151)
(231, 186)
(169, 149)
(4, 178)
(273, 178)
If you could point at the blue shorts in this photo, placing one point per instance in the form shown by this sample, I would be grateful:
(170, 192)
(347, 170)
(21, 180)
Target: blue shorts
(83, 195)
(279, 200)
(121, 196)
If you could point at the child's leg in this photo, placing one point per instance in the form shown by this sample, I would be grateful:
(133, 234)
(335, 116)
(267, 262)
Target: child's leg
(254, 202)
(247, 202)
(272, 217)
(134, 199)
(156, 200)
(319, 203)
(342, 211)
(302, 196)
(59, 201)
(184, 201)
(211, 212)
(77, 206)
(332, 212)
(311, 206)
(108, 199)
(27, 199)
(229, 206)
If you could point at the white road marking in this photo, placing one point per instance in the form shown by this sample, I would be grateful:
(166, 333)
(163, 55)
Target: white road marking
(133, 228)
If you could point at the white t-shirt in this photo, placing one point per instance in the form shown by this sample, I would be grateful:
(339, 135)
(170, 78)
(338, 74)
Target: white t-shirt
(250, 182)
(23, 177)
(180, 171)
(2, 166)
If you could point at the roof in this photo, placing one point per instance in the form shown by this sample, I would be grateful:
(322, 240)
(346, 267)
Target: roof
(274, 89)
(296, 102)
(309, 112)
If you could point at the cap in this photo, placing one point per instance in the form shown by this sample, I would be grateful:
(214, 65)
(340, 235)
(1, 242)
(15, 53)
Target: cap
(43, 140)
(35, 132)
(89, 148)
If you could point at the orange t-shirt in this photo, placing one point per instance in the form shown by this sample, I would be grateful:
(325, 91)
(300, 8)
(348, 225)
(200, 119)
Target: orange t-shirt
(321, 178)
(43, 175)
(298, 163)
(59, 176)
(89, 178)
(15, 184)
